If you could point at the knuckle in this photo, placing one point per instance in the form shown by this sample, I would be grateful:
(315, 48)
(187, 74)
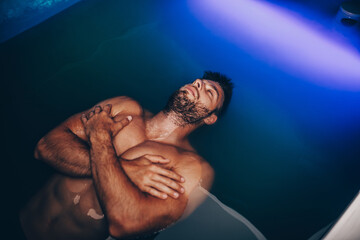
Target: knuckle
(157, 157)
(141, 161)
(170, 173)
(167, 191)
(161, 186)
(156, 194)
(175, 185)
(172, 184)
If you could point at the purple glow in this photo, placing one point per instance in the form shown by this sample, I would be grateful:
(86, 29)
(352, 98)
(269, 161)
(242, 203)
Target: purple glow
(282, 39)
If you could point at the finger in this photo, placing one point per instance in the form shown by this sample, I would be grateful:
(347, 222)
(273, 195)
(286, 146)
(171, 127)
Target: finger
(169, 174)
(163, 188)
(90, 114)
(118, 117)
(97, 109)
(170, 183)
(157, 158)
(120, 125)
(83, 119)
(107, 108)
(155, 193)
(125, 121)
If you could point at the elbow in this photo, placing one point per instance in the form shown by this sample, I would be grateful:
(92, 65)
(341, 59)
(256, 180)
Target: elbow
(120, 228)
(119, 225)
(130, 227)
(39, 149)
(116, 230)
(37, 152)
(146, 225)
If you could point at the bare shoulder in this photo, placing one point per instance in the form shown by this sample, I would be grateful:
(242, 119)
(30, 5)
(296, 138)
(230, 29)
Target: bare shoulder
(207, 176)
(201, 174)
(120, 104)
(123, 104)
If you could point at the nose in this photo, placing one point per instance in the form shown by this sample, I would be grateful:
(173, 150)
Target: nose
(198, 83)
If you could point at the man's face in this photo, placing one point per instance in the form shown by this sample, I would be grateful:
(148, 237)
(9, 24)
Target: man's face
(196, 101)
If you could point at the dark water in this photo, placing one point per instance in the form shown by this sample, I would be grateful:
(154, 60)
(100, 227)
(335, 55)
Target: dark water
(286, 155)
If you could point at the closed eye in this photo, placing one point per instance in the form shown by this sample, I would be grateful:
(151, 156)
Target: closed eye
(213, 91)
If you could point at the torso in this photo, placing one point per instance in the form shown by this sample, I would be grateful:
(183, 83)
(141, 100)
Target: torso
(67, 208)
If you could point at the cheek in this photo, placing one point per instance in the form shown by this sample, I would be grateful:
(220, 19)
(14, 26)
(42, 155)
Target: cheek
(211, 105)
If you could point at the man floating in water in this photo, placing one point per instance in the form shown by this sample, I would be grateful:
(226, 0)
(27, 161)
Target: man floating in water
(124, 166)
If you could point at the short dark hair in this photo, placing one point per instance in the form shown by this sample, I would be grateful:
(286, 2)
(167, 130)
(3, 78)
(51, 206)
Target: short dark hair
(226, 85)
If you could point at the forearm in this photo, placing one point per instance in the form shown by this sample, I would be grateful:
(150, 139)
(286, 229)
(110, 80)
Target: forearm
(126, 207)
(66, 152)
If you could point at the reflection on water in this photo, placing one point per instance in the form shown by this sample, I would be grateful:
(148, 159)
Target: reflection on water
(212, 220)
(17, 16)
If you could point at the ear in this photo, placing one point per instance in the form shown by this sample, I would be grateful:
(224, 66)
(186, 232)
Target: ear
(210, 119)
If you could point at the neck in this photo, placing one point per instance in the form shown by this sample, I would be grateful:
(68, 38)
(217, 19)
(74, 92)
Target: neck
(164, 127)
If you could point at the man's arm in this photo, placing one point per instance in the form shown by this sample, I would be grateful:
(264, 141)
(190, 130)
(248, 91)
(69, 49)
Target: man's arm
(66, 148)
(128, 210)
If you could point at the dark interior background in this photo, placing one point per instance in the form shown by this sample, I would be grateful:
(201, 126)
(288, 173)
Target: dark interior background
(286, 155)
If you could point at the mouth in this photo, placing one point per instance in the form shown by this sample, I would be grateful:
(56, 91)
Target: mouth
(191, 91)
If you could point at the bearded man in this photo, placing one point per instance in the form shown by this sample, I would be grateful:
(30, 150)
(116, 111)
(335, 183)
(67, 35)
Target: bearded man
(123, 171)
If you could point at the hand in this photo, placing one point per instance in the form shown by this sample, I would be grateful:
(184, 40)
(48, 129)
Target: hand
(146, 173)
(99, 122)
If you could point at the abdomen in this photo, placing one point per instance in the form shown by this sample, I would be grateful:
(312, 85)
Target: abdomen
(60, 211)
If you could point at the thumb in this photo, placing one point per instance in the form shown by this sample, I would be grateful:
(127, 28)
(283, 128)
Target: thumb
(118, 125)
(83, 119)
(157, 159)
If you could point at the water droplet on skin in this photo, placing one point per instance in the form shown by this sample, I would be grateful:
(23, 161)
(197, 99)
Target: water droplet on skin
(92, 213)
(77, 199)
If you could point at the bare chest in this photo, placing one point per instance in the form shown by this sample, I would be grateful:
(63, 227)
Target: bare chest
(130, 136)
(182, 161)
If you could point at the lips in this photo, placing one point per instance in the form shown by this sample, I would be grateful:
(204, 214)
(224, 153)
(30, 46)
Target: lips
(191, 91)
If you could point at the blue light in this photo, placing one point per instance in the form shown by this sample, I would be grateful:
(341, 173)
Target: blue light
(283, 39)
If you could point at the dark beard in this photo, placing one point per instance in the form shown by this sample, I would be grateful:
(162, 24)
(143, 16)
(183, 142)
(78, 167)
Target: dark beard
(187, 112)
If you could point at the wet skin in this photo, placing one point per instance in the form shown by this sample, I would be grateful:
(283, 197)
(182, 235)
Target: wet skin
(69, 208)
